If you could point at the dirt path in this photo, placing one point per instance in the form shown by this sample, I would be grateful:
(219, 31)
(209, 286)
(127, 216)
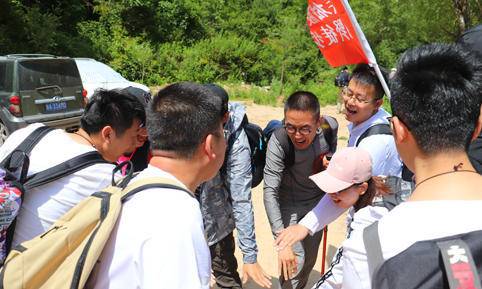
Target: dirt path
(267, 256)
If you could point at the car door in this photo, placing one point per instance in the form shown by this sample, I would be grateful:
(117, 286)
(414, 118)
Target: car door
(49, 87)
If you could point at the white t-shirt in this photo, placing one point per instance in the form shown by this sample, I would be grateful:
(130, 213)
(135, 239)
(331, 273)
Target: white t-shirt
(406, 224)
(381, 147)
(357, 222)
(158, 242)
(43, 205)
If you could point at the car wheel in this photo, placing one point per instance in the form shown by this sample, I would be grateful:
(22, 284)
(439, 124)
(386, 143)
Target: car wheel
(3, 133)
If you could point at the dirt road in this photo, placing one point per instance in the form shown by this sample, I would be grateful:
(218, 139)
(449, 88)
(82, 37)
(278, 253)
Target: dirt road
(267, 256)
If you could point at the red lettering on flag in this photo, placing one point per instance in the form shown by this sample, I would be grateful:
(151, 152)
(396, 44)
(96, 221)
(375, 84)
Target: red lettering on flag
(333, 32)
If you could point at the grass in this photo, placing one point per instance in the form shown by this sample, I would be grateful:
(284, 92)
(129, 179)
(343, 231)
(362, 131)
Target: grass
(270, 95)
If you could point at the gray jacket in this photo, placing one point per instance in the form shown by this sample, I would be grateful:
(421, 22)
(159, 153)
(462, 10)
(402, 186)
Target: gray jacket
(288, 192)
(226, 201)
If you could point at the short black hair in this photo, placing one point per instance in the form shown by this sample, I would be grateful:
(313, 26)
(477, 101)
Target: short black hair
(303, 101)
(436, 93)
(366, 75)
(221, 93)
(181, 115)
(115, 108)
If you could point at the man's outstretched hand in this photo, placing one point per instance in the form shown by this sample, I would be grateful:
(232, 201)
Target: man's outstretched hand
(255, 272)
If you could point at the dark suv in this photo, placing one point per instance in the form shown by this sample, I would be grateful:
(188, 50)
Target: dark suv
(39, 88)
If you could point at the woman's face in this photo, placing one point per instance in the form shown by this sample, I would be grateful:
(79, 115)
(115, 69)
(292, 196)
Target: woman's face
(349, 196)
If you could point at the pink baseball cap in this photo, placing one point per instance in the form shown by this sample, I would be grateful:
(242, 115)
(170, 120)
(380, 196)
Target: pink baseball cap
(348, 166)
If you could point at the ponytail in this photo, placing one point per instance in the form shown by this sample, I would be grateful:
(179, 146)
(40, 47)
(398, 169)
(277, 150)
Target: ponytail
(376, 187)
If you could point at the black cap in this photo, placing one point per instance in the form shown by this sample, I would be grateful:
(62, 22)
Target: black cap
(472, 39)
(141, 95)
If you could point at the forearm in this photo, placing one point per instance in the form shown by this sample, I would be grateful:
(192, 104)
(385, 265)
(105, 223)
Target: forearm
(239, 175)
(273, 172)
(321, 215)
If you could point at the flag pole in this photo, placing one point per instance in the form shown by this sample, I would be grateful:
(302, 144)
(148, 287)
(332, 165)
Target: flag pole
(366, 48)
(382, 79)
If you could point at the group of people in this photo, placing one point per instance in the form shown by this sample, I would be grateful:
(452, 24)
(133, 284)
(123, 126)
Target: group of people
(165, 238)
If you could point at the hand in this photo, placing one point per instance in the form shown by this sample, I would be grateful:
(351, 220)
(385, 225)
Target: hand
(290, 235)
(255, 272)
(287, 263)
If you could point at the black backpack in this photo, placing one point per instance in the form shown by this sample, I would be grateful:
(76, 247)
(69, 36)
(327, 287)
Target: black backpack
(329, 125)
(449, 262)
(257, 145)
(16, 166)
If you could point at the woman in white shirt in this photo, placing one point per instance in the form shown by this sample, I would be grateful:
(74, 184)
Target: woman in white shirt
(349, 183)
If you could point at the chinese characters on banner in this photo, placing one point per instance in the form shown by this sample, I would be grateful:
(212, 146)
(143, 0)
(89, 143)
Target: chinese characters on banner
(334, 33)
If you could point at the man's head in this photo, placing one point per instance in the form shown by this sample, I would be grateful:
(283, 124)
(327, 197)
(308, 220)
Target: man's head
(223, 95)
(113, 118)
(364, 94)
(184, 120)
(436, 96)
(144, 98)
(302, 118)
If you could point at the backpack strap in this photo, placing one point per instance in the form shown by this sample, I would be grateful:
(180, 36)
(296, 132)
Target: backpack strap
(64, 169)
(458, 261)
(229, 145)
(286, 145)
(381, 128)
(153, 182)
(371, 239)
(328, 126)
(25, 147)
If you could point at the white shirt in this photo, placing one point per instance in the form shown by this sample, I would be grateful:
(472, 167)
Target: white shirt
(382, 149)
(406, 224)
(158, 242)
(357, 222)
(43, 205)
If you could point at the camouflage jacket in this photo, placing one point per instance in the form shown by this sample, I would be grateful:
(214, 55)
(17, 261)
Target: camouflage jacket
(226, 199)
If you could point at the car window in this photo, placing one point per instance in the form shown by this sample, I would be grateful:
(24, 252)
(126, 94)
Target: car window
(109, 73)
(39, 73)
(5, 78)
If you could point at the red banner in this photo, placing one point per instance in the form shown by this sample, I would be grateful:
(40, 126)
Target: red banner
(334, 33)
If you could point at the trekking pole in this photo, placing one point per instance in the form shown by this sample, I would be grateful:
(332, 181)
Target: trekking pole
(323, 256)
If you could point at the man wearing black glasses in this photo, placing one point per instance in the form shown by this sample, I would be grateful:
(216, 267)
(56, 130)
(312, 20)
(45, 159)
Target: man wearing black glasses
(288, 193)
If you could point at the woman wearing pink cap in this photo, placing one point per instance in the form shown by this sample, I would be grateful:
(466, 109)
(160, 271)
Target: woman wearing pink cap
(349, 182)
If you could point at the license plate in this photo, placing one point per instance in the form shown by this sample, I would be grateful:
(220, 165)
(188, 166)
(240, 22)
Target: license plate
(55, 106)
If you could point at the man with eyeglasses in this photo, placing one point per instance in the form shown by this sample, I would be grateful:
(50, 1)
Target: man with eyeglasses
(363, 100)
(226, 204)
(288, 192)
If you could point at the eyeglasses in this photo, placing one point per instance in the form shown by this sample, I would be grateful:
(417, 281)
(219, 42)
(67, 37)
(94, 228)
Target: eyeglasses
(304, 130)
(389, 118)
(348, 95)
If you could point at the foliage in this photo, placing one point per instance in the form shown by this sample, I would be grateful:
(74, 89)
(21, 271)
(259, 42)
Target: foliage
(262, 43)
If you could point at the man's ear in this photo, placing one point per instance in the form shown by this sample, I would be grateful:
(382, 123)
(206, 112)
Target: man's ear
(209, 146)
(379, 103)
(107, 133)
(400, 130)
(320, 119)
(478, 126)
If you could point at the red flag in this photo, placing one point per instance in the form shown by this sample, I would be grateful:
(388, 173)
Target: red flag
(335, 34)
